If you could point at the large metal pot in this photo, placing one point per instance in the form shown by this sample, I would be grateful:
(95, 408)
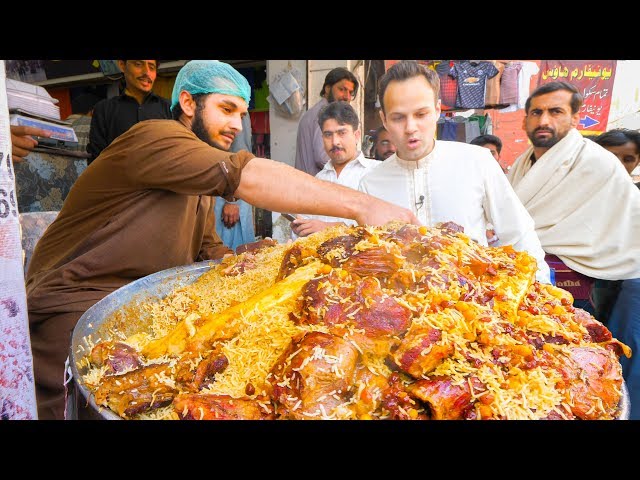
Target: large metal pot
(81, 403)
(95, 322)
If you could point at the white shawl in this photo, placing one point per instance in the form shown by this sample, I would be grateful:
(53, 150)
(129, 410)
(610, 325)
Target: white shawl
(585, 207)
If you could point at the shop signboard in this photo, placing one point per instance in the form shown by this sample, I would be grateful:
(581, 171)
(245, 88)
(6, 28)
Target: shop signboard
(594, 80)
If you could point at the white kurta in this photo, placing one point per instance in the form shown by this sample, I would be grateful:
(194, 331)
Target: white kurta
(460, 183)
(349, 177)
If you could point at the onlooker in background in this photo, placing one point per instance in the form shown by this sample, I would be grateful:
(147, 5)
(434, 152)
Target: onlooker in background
(383, 146)
(425, 174)
(234, 220)
(339, 85)
(22, 141)
(586, 211)
(341, 136)
(114, 116)
(493, 143)
(82, 107)
(624, 144)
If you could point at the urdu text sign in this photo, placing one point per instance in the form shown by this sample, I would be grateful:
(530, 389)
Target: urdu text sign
(594, 80)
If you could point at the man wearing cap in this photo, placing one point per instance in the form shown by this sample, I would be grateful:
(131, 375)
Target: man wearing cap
(144, 205)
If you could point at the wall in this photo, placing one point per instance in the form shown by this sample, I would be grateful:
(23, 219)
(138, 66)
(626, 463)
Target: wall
(283, 130)
(625, 104)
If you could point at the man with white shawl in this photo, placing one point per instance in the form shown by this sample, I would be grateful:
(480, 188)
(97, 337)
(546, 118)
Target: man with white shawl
(585, 208)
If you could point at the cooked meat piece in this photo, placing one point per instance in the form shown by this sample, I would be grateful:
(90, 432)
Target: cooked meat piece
(594, 377)
(371, 388)
(295, 257)
(194, 406)
(376, 262)
(450, 227)
(338, 249)
(597, 331)
(419, 353)
(136, 391)
(194, 378)
(367, 306)
(380, 314)
(117, 356)
(399, 404)
(321, 301)
(445, 400)
(313, 376)
(254, 247)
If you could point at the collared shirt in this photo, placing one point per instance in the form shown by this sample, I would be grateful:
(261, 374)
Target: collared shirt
(461, 183)
(310, 154)
(114, 116)
(349, 177)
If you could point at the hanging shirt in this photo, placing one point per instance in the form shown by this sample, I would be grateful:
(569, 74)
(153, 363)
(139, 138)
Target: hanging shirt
(509, 83)
(472, 77)
(350, 176)
(460, 183)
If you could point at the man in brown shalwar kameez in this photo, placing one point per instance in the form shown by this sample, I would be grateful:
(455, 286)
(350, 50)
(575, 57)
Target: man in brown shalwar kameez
(145, 205)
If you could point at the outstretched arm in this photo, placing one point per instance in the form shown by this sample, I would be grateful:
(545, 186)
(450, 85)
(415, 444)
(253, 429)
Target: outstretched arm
(280, 188)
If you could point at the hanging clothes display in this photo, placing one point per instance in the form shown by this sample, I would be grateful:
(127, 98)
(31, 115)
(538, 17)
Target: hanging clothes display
(492, 94)
(509, 83)
(472, 76)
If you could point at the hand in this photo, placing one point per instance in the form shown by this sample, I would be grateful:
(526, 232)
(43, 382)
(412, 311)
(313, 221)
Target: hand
(230, 214)
(306, 226)
(379, 212)
(21, 141)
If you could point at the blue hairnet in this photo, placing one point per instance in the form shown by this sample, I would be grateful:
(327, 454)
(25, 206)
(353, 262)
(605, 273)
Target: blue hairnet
(210, 76)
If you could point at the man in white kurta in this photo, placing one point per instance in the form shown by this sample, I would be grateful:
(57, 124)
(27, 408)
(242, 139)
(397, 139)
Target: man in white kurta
(444, 181)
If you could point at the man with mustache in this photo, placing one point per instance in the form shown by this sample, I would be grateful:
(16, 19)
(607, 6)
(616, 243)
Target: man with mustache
(144, 205)
(587, 212)
(444, 181)
(341, 135)
(339, 85)
(114, 116)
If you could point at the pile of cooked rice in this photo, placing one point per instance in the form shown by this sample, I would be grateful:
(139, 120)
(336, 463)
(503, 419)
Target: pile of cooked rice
(423, 323)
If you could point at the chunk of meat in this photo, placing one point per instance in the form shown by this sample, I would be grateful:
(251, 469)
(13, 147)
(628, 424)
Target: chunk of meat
(295, 257)
(450, 227)
(376, 262)
(194, 379)
(366, 306)
(446, 401)
(380, 314)
(256, 246)
(597, 331)
(137, 391)
(313, 376)
(194, 406)
(594, 377)
(117, 356)
(336, 250)
(399, 404)
(419, 353)
(371, 387)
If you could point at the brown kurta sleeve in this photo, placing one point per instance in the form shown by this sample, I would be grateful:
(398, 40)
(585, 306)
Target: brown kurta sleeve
(170, 157)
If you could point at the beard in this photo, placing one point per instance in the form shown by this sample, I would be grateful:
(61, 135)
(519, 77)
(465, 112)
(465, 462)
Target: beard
(198, 128)
(544, 142)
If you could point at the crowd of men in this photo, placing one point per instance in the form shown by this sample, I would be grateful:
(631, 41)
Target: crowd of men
(566, 197)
